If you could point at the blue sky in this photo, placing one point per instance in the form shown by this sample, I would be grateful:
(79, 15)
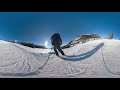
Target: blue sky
(37, 27)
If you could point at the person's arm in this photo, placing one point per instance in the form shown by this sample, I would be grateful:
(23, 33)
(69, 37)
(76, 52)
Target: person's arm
(60, 41)
(51, 40)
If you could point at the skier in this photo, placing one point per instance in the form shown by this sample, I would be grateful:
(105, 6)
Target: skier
(56, 41)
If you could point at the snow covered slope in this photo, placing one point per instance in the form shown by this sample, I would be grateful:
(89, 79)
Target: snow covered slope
(98, 58)
(83, 38)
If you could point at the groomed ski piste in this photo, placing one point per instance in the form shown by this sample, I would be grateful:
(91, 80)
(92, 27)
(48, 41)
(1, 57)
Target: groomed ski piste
(94, 59)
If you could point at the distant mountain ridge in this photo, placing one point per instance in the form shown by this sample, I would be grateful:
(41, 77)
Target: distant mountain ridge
(32, 45)
(82, 39)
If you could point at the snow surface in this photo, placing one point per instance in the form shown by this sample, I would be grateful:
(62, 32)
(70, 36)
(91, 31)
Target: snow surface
(94, 59)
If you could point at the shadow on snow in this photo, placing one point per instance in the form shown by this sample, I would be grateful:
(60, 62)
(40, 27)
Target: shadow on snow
(19, 74)
(84, 55)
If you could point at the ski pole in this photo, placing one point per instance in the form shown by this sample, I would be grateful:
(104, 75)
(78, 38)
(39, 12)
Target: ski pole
(46, 61)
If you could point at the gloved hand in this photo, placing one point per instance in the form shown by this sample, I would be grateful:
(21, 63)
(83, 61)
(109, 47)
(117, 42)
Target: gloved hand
(60, 43)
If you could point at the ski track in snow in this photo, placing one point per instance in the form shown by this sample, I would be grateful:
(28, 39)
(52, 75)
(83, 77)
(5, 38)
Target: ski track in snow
(92, 61)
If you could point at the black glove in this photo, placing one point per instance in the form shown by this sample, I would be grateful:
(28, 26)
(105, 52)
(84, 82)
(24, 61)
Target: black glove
(60, 43)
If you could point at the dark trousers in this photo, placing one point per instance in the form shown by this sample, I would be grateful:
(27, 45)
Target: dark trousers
(57, 47)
